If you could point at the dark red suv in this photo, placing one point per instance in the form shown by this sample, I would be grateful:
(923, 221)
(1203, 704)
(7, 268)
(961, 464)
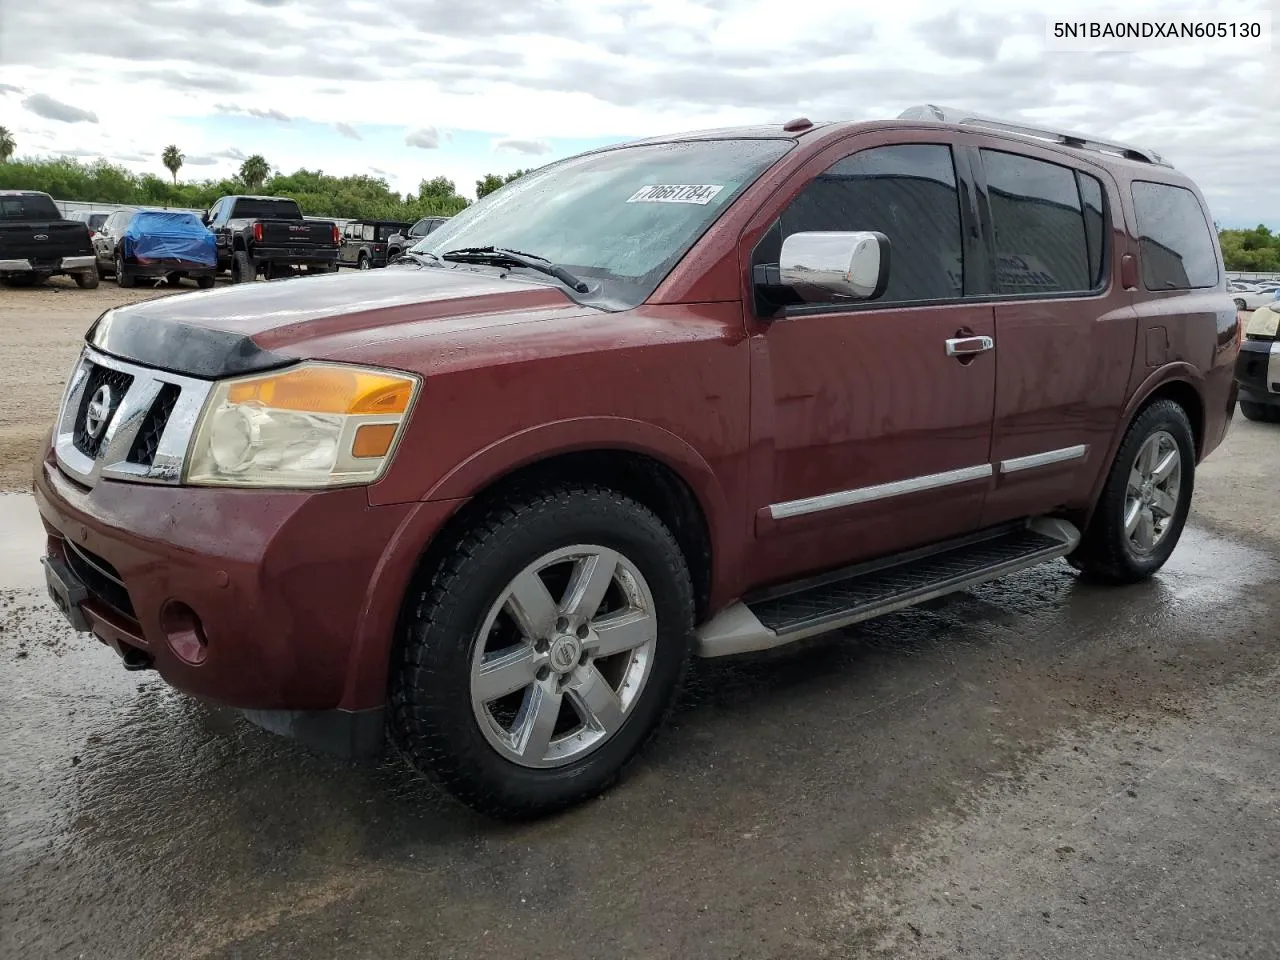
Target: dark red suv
(696, 395)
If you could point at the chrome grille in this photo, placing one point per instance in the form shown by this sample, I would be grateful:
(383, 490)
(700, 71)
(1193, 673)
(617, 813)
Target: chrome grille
(147, 428)
(117, 384)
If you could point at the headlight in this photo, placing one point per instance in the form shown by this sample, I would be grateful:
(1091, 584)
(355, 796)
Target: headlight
(313, 425)
(1264, 324)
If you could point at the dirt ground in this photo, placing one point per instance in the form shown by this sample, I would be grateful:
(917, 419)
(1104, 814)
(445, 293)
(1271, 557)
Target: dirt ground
(41, 330)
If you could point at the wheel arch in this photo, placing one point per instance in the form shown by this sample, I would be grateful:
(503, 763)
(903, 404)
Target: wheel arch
(665, 475)
(1180, 383)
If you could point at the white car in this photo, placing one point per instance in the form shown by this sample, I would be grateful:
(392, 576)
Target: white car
(1252, 299)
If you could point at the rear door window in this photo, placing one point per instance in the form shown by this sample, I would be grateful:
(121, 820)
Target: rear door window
(1175, 244)
(1042, 236)
(908, 193)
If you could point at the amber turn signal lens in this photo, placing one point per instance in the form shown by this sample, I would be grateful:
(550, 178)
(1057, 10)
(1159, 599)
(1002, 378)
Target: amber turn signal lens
(373, 440)
(326, 389)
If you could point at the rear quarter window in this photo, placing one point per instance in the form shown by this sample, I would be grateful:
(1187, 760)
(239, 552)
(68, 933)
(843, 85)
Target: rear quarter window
(1176, 245)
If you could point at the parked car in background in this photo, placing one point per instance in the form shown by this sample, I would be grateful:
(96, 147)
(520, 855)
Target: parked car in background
(93, 221)
(734, 389)
(38, 242)
(270, 236)
(158, 244)
(1249, 295)
(399, 243)
(1258, 366)
(365, 243)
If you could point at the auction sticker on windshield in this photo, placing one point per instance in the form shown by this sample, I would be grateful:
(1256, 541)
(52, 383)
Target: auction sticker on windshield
(699, 193)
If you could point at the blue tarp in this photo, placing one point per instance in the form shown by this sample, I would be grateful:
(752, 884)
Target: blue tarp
(165, 235)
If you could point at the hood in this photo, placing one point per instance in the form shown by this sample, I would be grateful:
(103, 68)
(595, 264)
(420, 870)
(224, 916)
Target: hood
(257, 326)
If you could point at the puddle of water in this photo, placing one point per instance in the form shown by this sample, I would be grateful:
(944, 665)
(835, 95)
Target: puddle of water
(21, 542)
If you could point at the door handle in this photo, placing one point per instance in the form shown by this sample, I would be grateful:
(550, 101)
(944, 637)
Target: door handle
(969, 346)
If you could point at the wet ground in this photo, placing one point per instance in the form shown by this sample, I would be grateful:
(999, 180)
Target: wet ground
(1037, 768)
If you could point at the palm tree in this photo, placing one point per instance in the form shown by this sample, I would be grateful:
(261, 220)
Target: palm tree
(254, 171)
(172, 159)
(7, 145)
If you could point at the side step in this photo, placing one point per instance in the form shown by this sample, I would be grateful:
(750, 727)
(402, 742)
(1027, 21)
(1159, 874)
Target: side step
(814, 606)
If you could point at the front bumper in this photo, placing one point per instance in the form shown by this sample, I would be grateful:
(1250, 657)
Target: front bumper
(63, 265)
(280, 603)
(1258, 371)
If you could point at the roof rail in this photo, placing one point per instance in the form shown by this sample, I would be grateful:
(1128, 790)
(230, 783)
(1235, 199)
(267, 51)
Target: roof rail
(930, 111)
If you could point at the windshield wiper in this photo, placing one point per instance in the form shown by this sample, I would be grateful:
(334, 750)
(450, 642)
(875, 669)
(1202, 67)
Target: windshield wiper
(501, 255)
(418, 257)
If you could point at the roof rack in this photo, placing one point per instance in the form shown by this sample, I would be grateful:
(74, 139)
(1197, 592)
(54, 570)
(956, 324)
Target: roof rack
(930, 111)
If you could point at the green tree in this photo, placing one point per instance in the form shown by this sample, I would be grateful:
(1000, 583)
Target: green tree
(172, 159)
(492, 181)
(254, 171)
(7, 145)
(487, 184)
(1256, 250)
(318, 193)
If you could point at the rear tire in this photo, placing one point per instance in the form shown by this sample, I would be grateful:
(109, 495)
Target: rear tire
(447, 715)
(87, 279)
(243, 269)
(123, 277)
(1143, 508)
(204, 283)
(1260, 412)
(364, 263)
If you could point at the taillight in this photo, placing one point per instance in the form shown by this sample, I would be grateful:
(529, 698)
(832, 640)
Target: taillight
(337, 236)
(257, 232)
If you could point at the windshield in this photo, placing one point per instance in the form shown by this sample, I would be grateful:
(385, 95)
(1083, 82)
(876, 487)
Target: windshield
(620, 219)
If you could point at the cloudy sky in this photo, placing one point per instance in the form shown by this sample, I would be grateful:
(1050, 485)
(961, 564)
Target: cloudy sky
(418, 88)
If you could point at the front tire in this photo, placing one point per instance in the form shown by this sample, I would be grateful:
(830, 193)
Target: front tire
(204, 283)
(543, 652)
(1143, 508)
(1260, 412)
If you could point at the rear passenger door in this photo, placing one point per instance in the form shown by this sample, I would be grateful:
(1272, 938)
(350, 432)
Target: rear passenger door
(1064, 324)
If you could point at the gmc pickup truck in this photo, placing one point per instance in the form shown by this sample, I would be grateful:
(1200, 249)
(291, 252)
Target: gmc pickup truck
(38, 242)
(269, 235)
(729, 391)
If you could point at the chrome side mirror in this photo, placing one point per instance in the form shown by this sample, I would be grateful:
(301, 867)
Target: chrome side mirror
(829, 265)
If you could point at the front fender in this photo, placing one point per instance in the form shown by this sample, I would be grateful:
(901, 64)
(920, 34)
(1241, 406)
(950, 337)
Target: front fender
(548, 440)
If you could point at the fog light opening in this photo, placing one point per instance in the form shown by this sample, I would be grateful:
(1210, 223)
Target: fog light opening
(184, 632)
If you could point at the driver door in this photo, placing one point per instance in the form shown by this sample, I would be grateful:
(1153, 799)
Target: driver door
(871, 433)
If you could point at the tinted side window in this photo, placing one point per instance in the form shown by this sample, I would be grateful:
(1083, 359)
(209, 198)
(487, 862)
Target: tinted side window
(1175, 245)
(1094, 225)
(1039, 225)
(909, 194)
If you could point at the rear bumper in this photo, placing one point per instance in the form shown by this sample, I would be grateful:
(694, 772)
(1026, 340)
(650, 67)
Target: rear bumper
(163, 268)
(295, 254)
(1258, 371)
(63, 265)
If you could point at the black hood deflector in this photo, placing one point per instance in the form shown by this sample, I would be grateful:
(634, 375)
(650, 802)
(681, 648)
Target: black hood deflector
(177, 347)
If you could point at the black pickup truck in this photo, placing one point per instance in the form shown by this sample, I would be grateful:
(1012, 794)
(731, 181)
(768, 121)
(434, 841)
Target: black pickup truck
(37, 242)
(269, 235)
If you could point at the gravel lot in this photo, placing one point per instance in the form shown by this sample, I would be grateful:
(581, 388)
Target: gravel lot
(1036, 768)
(41, 330)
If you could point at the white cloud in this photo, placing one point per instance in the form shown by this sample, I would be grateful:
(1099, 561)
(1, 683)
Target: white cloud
(45, 106)
(605, 69)
(347, 130)
(427, 138)
(517, 145)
